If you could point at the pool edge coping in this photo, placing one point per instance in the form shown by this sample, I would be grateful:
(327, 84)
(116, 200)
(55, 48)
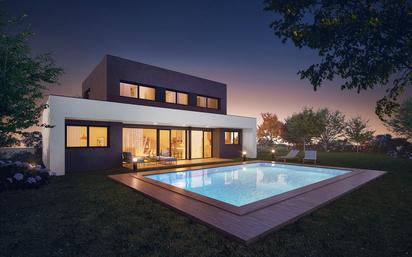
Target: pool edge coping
(250, 207)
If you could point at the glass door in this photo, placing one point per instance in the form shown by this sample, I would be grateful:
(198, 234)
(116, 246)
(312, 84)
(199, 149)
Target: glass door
(196, 144)
(178, 143)
(164, 142)
(207, 144)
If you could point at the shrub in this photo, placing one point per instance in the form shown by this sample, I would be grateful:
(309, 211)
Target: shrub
(22, 175)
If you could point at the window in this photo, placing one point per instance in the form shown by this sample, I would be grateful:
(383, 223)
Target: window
(134, 91)
(201, 101)
(207, 102)
(182, 98)
(98, 136)
(231, 138)
(147, 93)
(212, 103)
(86, 136)
(128, 90)
(76, 136)
(170, 96)
(176, 97)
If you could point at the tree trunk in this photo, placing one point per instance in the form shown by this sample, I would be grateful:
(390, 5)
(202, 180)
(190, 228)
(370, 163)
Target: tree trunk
(304, 145)
(325, 146)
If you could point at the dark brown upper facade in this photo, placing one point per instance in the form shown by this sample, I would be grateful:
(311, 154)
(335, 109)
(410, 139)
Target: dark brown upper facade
(165, 88)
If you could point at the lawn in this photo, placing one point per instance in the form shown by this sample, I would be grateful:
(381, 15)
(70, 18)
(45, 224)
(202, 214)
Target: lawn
(89, 215)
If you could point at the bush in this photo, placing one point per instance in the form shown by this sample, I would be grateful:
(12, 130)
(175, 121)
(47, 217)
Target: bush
(27, 157)
(22, 175)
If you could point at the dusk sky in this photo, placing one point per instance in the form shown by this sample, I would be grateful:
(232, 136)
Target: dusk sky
(229, 42)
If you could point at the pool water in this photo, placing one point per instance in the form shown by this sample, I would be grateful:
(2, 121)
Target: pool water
(243, 184)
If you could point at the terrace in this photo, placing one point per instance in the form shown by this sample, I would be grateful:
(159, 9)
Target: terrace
(176, 164)
(251, 221)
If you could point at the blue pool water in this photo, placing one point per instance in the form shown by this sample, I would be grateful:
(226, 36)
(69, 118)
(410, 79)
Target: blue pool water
(243, 184)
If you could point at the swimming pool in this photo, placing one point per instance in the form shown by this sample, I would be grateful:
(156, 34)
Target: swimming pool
(240, 185)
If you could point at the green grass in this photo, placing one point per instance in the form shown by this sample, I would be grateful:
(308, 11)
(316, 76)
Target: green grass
(89, 215)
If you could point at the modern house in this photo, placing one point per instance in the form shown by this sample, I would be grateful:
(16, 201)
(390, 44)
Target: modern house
(129, 106)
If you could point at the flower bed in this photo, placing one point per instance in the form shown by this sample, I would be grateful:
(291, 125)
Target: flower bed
(22, 175)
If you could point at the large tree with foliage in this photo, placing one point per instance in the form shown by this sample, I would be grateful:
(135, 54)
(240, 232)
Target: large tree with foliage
(365, 43)
(401, 121)
(302, 127)
(269, 129)
(334, 127)
(23, 79)
(357, 131)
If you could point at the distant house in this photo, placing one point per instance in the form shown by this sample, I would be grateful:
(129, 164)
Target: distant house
(133, 107)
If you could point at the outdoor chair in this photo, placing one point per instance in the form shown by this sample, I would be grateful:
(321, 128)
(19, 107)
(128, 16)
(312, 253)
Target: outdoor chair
(310, 155)
(291, 155)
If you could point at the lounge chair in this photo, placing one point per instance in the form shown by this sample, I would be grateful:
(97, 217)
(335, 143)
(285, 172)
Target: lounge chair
(127, 157)
(291, 155)
(310, 156)
(167, 159)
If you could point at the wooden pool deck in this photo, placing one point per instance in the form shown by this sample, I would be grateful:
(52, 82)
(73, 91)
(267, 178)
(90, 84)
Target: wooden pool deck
(250, 225)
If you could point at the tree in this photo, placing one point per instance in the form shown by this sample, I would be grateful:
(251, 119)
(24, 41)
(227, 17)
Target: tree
(270, 128)
(303, 127)
(357, 132)
(23, 80)
(367, 43)
(334, 127)
(401, 121)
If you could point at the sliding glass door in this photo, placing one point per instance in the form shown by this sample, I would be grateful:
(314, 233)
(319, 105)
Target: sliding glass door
(207, 144)
(178, 143)
(201, 144)
(168, 142)
(164, 142)
(196, 144)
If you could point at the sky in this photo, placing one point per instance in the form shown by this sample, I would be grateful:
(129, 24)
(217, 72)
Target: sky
(225, 41)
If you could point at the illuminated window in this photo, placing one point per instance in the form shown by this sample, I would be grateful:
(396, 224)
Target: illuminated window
(147, 93)
(139, 141)
(235, 138)
(170, 96)
(182, 98)
(201, 101)
(212, 103)
(176, 97)
(76, 136)
(231, 138)
(209, 102)
(128, 90)
(98, 136)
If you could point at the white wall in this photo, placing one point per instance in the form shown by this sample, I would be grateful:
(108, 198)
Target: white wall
(61, 108)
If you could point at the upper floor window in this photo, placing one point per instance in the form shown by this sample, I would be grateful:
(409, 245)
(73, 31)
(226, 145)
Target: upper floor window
(201, 101)
(170, 96)
(128, 90)
(147, 93)
(176, 97)
(212, 103)
(207, 102)
(182, 98)
(231, 137)
(86, 136)
(135, 91)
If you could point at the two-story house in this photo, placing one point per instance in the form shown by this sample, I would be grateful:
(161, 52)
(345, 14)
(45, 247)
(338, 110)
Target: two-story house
(129, 106)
